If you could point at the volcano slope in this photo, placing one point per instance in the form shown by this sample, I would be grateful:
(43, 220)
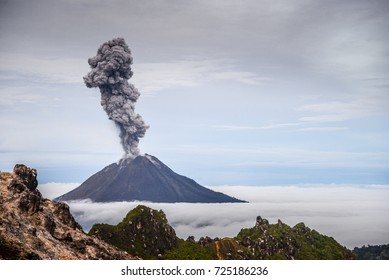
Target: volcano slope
(144, 178)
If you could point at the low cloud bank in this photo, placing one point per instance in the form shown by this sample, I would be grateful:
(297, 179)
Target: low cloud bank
(53, 190)
(353, 215)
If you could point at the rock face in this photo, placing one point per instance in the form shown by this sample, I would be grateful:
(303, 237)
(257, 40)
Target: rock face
(143, 232)
(280, 241)
(25, 178)
(144, 178)
(32, 227)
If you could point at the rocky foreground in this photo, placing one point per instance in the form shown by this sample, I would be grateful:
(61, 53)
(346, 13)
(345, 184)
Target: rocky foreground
(32, 227)
(145, 232)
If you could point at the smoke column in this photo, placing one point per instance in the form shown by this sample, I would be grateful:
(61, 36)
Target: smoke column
(111, 70)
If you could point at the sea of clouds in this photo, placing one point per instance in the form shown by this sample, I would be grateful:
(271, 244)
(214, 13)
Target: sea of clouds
(353, 215)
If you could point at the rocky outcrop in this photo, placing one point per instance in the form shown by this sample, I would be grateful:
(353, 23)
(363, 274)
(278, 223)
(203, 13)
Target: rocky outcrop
(32, 227)
(265, 241)
(280, 241)
(25, 177)
(143, 232)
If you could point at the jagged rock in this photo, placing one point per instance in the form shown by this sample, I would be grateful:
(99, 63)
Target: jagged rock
(30, 201)
(204, 241)
(143, 232)
(143, 229)
(24, 177)
(279, 241)
(32, 227)
(262, 224)
(190, 239)
(63, 212)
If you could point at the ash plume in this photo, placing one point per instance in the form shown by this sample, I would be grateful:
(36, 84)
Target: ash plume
(111, 70)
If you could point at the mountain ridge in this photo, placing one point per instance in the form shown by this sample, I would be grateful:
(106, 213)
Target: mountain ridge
(142, 229)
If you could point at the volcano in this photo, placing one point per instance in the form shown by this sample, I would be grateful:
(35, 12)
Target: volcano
(144, 178)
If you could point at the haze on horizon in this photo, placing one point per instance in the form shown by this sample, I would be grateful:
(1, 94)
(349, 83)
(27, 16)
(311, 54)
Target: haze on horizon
(235, 92)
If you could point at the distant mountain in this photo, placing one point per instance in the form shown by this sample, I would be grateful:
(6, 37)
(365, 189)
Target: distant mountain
(146, 233)
(144, 178)
(32, 227)
(372, 252)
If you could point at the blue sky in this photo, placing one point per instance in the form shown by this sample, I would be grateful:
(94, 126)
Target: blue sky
(235, 92)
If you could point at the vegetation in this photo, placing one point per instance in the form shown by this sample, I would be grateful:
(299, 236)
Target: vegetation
(369, 252)
(187, 250)
(279, 241)
(146, 233)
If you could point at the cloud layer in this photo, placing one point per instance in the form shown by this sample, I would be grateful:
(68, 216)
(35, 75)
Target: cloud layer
(353, 215)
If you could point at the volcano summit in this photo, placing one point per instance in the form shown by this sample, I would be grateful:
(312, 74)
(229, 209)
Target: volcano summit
(135, 177)
(144, 178)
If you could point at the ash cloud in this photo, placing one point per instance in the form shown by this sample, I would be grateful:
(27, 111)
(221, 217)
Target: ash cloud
(110, 72)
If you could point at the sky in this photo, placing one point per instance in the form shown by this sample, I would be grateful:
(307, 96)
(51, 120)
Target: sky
(235, 92)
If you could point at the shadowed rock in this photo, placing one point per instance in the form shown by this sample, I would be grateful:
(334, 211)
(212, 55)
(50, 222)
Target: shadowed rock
(32, 227)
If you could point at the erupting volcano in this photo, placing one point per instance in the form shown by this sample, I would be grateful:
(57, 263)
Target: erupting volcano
(135, 177)
(144, 178)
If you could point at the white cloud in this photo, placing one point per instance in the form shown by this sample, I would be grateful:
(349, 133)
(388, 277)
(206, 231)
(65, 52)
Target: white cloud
(148, 77)
(285, 156)
(53, 190)
(19, 94)
(355, 108)
(324, 128)
(153, 77)
(32, 67)
(294, 126)
(270, 126)
(353, 215)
